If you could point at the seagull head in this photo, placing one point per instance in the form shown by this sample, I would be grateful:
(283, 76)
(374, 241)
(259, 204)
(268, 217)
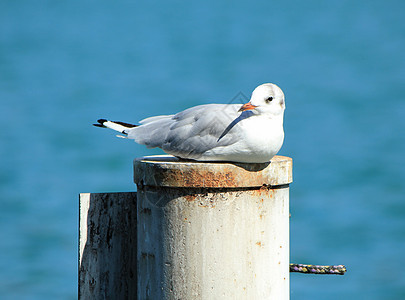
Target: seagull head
(267, 99)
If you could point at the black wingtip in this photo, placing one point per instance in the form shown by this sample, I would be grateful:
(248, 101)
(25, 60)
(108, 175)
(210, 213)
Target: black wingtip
(100, 123)
(129, 125)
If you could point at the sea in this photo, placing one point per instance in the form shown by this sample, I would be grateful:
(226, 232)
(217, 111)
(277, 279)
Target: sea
(341, 65)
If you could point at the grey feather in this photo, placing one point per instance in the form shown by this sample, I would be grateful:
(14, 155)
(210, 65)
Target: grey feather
(189, 133)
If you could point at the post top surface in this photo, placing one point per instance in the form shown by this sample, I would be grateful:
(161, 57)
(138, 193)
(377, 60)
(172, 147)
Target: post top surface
(170, 171)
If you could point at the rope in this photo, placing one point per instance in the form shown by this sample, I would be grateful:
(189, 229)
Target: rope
(314, 269)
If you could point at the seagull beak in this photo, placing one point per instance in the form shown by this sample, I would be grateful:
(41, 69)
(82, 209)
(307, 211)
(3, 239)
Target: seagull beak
(247, 106)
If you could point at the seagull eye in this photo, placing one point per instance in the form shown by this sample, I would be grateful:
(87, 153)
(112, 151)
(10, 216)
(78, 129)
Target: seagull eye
(268, 100)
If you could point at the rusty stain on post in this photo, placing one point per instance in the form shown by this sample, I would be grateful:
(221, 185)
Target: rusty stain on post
(159, 171)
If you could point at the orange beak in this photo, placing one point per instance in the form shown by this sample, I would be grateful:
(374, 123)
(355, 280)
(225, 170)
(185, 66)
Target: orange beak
(247, 106)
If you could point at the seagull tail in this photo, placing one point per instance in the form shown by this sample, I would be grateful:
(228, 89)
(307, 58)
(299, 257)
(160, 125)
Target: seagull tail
(115, 125)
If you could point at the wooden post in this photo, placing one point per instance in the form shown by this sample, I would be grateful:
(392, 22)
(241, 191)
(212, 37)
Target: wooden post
(212, 230)
(107, 246)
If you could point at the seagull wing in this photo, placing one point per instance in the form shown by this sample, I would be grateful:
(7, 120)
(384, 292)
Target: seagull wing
(191, 132)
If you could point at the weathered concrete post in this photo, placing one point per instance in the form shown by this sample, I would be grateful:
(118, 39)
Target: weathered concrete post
(212, 230)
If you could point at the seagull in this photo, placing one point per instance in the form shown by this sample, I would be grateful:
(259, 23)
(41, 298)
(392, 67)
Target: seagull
(252, 133)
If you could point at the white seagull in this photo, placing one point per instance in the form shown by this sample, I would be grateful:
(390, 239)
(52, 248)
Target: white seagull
(252, 133)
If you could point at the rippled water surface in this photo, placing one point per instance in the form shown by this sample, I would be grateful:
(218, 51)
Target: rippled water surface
(341, 64)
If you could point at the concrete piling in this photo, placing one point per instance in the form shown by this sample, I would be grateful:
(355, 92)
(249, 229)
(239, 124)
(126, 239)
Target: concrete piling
(212, 230)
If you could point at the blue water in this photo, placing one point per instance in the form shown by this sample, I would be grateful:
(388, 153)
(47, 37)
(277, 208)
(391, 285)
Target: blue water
(341, 64)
